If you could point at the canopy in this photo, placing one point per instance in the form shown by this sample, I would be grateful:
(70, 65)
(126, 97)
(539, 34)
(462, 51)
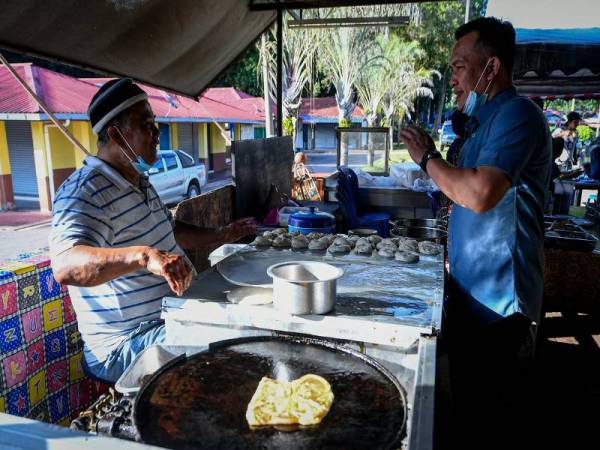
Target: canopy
(178, 45)
(558, 46)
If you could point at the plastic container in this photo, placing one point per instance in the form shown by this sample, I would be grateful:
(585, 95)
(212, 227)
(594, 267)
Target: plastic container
(311, 221)
(149, 361)
(287, 211)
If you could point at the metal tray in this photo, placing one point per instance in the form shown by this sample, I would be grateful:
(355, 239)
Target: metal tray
(570, 240)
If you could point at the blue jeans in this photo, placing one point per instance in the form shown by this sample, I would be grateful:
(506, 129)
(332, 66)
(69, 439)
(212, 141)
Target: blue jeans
(146, 334)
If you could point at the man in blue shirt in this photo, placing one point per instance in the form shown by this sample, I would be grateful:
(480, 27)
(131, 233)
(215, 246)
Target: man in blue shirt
(496, 232)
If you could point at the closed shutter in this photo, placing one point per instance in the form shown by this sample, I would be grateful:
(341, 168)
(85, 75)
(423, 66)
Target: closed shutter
(20, 153)
(185, 135)
(165, 136)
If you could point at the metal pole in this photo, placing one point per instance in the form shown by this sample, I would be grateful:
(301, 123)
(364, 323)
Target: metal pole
(598, 120)
(266, 89)
(467, 10)
(279, 72)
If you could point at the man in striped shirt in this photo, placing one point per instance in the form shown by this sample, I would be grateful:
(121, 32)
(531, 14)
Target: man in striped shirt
(113, 241)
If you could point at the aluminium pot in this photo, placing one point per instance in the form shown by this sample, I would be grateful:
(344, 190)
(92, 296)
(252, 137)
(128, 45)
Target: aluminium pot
(421, 234)
(420, 223)
(304, 287)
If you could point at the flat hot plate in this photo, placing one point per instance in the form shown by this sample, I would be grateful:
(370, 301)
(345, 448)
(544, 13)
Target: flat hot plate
(200, 401)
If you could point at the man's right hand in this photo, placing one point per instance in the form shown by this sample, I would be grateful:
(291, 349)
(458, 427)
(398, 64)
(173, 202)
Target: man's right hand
(171, 266)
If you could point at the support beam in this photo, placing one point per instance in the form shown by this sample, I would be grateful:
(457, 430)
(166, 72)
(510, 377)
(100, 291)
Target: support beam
(279, 72)
(311, 4)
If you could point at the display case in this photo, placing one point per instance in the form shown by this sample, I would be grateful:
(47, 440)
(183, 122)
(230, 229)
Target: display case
(364, 148)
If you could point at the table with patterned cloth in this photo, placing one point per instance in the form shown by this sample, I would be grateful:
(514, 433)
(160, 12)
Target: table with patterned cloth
(41, 376)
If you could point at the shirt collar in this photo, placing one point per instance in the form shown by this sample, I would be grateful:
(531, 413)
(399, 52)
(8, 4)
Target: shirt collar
(488, 108)
(110, 173)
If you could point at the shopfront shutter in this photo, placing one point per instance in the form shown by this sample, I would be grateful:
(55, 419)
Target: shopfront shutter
(185, 135)
(20, 152)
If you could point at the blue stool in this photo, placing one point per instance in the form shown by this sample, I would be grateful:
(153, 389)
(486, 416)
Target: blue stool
(348, 198)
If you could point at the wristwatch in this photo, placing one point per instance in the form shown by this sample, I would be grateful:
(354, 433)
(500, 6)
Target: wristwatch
(431, 153)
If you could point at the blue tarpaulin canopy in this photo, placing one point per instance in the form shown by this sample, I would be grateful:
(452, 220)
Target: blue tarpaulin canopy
(558, 46)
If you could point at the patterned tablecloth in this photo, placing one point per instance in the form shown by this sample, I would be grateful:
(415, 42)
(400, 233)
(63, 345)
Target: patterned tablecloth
(41, 376)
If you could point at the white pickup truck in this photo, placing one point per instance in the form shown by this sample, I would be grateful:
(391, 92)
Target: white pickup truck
(176, 176)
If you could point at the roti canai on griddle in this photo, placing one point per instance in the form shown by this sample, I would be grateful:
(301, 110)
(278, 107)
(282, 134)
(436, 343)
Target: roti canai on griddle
(304, 401)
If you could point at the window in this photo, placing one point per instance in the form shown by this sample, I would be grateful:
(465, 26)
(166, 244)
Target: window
(186, 160)
(158, 165)
(170, 162)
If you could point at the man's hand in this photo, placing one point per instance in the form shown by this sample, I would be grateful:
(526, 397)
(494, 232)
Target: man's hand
(171, 266)
(417, 142)
(238, 229)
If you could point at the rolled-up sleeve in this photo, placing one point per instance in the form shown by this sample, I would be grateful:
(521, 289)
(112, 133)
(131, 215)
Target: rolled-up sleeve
(512, 139)
(78, 220)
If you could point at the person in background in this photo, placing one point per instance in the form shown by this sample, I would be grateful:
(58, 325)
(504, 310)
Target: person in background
(569, 133)
(459, 120)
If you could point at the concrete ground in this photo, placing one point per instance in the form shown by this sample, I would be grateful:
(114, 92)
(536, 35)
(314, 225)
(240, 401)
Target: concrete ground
(26, 230)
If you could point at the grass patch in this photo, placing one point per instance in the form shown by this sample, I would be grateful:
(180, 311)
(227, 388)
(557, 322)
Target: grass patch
(398, 155)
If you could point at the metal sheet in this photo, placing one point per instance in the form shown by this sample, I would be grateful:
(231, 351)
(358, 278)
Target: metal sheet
(201, 401)
(387, 304)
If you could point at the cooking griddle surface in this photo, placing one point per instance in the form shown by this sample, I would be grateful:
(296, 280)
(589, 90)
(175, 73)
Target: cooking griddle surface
(201, 401)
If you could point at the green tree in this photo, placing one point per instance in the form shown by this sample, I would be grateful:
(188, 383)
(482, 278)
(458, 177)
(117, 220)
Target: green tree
(242, 73)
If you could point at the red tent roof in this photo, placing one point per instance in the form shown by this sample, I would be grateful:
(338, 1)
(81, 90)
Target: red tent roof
(324, 108)
(66, 94)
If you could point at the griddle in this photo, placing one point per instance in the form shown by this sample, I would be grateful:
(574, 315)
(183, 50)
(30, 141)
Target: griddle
(200, 401)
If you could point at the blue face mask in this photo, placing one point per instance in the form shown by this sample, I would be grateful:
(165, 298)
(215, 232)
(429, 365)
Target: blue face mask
(139, 163)
(475, 101)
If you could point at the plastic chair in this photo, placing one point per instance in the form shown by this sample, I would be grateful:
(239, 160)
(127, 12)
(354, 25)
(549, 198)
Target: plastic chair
(348, 198)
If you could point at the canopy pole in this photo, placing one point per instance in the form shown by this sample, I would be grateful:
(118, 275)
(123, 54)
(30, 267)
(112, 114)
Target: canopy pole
(598, 122)
(279, 72)
(40, 103)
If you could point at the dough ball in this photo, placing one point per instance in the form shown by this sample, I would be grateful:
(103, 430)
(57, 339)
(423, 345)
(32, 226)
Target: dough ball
(329, 238)
(339, 248)
(387, 252)
(281, 242)
(363, 241)
(278, 231)
(296, 233)
(428, 248)
(314, 235)
(269, 235)
(299, 243)
(408, 245)
(364, 248)
(375, 239)
(341, 241)
(406, 257)
(261, 241)
(317, 244)
(386, 243)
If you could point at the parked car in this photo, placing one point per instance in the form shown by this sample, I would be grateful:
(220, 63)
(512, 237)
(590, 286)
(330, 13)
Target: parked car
(447, 136)
(176, 176)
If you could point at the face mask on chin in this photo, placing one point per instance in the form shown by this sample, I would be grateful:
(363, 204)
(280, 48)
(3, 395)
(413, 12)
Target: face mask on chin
(475, 101)
(139, 163)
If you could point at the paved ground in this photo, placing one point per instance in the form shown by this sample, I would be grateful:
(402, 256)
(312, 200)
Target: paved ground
(24, 231)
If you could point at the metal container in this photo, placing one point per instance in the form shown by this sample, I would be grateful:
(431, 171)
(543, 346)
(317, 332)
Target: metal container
(304, 287)
(311, 221)
(362, 232)
(421, 234)
(420, 223)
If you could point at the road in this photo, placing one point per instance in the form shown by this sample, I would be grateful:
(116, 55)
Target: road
(326, 162)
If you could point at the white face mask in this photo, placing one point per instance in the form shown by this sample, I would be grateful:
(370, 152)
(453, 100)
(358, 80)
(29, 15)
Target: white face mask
(139, 164)
(474, 101)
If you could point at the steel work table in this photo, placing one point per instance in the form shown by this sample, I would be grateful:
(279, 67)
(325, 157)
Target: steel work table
(385, 309)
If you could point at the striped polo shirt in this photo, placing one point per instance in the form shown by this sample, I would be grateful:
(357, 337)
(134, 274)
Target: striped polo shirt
(96, 206)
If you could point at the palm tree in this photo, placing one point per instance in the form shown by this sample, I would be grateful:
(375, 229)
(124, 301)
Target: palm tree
(299, 48)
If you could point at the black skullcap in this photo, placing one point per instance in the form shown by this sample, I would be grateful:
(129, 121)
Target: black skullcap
(111, 99)
(573, 116)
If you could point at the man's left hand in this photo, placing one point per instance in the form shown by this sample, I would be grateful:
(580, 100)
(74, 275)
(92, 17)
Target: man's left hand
(238, 229)
(417, 142)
